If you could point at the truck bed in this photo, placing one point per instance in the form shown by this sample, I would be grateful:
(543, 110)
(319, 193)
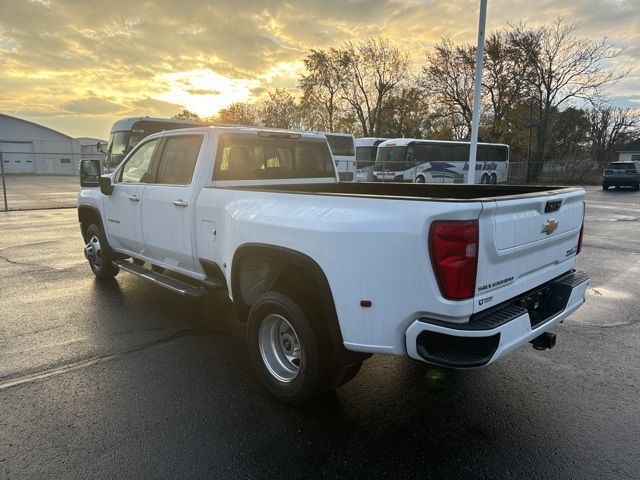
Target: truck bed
(415, 191)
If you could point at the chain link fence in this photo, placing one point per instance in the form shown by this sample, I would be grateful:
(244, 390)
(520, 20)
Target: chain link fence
(44, 181)
(515, 173)
(33, 181)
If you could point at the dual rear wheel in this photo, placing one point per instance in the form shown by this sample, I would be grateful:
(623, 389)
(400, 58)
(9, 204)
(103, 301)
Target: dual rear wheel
(290, 348)
(489, 179)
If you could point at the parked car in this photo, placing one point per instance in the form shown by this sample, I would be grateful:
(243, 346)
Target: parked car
(327, 273)
(622, 174)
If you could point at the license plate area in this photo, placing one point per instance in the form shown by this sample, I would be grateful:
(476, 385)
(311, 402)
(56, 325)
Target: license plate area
(544, 303)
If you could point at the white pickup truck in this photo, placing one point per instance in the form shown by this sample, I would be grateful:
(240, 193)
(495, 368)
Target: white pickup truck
(327, 273)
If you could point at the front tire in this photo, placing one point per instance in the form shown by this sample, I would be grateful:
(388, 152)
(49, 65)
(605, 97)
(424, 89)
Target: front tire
(605, 186)
(286, 347)
(420, 179)
(98, 254)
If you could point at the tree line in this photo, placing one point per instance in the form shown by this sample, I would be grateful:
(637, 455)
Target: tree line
(543, 93)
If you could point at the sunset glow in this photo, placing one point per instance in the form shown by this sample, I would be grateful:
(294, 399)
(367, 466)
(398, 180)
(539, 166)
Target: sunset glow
(78, 66)
(204, 91)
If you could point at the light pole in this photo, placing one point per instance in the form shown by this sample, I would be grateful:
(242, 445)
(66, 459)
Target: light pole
(526, 172)
(475, 119)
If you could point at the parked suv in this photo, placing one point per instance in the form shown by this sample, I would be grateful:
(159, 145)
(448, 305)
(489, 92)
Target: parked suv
(622, 174)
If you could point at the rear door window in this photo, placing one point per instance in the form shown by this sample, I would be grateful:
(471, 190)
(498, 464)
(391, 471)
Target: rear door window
(178, 160)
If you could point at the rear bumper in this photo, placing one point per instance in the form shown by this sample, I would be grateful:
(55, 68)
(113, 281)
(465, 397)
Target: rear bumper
(494, 333)
(627, 181)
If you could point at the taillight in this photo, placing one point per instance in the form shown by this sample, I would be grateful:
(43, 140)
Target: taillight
(608, 172)
(453, 246)
(631, 172)
(584, 211)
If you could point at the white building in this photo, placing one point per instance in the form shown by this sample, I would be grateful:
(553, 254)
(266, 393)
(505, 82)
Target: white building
(89, 148)
(27, 147)
(630, 152)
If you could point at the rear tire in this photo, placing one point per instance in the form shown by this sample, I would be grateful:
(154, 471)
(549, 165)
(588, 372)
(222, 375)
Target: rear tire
(605, 186)
(287, 347)
(494, 179)
(102, 263)
(637, 187)
(484, 179)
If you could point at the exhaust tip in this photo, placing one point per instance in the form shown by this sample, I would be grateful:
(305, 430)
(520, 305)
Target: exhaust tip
(544, 341)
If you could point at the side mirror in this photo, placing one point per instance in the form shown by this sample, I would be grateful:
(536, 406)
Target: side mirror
(106, 187)
(90, 173)
(100, 147)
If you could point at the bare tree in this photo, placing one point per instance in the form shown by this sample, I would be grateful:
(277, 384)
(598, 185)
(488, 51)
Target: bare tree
(564, 67)
(448, 78)
(405, 114)
(238, 113)
(187, 115)
(610, 128)
(321, 86)
(279, 110)
(506, 84)
(370, 72)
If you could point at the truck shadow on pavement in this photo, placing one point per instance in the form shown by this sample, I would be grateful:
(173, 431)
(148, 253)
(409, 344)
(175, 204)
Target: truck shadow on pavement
(396, 414)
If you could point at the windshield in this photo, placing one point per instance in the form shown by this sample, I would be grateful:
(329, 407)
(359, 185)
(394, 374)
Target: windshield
(620, 165)
(391, 154)
(341, 145)
(392, 158)
(365, 154)
(135, 138)
(118, 143)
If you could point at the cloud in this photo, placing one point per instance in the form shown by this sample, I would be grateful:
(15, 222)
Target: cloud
(92, 106)
(154, 107)
(202, 91)
(53, 54)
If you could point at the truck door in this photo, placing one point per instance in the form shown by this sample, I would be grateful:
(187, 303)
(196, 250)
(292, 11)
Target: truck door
(167, 206)
(122, 207)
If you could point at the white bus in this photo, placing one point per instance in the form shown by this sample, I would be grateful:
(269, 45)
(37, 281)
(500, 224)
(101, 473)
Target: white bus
(343, 149)
(366, 149)
(126, 133)
(435, 161)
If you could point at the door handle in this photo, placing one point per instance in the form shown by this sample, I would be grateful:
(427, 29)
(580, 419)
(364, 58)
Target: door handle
(134, 198)
(180, 203)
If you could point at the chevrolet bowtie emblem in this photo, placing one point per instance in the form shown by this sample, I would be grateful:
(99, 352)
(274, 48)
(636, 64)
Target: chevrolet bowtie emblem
(550, 226)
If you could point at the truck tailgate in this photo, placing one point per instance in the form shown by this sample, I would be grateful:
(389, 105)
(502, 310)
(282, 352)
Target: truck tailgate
(524, 242)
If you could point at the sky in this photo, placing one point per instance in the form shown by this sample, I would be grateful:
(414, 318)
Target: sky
(78, 65)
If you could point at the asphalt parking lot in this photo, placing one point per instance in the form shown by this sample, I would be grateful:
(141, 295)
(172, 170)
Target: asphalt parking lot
(29, 192)
(126, 380)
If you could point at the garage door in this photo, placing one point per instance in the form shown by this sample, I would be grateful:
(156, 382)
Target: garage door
(18, 157)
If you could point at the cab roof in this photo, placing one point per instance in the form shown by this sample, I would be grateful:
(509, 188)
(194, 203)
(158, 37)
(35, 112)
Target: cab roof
(264, 132)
